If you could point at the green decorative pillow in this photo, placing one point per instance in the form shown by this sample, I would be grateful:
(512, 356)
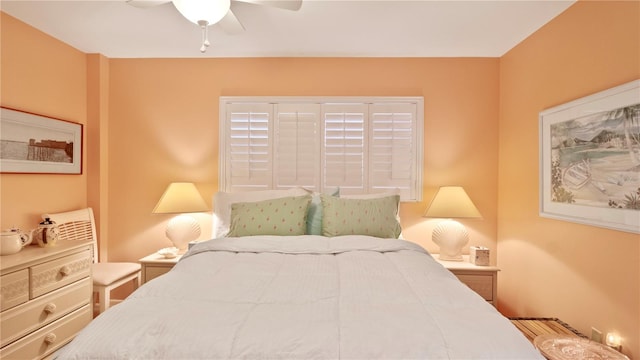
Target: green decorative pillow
(374, 217)
(283, 216)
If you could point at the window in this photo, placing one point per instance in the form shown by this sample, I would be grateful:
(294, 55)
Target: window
(362, 145)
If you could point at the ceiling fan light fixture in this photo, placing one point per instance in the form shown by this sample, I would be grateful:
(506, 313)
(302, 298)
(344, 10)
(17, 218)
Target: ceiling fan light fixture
(198, 11)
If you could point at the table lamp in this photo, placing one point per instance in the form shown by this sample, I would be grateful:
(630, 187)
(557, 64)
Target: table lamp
(451, 202)
(181, 198)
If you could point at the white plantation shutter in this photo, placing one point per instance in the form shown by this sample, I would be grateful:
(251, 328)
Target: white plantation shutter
(248, 150)
(345, 147)
(361, 145)
(297, 146)
(392, 148)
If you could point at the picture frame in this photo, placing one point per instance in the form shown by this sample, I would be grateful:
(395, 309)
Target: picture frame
(590, 159)
(36, 144)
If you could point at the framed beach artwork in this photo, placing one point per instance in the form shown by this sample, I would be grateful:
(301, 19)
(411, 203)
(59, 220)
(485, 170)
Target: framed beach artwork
(590, 159)
(36, 144)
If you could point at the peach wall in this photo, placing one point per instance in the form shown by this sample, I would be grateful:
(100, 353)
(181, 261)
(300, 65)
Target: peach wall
(586, 276)
(44, 76)
(163, 127)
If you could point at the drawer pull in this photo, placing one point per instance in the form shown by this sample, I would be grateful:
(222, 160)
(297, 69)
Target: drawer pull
(65, 270)
(50, 308)
(50, 338)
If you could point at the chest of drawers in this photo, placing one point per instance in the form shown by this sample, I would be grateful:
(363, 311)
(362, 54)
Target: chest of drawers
(45, 298)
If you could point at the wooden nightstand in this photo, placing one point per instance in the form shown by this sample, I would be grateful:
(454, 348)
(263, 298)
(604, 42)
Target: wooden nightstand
(481, 279)
(155, 265)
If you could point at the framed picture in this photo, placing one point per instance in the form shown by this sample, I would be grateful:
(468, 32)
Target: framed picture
(36, 144)
(590, 159)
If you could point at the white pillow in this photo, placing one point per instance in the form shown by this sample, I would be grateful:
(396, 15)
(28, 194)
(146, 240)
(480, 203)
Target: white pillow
(222, 205)
(372, 196)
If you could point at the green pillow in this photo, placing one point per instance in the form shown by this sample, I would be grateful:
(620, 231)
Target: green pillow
(283, 216)
(374, 217)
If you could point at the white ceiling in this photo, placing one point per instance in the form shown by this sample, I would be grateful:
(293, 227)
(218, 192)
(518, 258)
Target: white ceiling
(340, 28)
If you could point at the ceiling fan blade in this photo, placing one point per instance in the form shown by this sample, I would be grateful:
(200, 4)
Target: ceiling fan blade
(282, 4)
(230, 24)
(143, 4)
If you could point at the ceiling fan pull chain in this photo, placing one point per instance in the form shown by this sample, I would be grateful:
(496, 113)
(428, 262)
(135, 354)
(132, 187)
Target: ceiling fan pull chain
(205, 35)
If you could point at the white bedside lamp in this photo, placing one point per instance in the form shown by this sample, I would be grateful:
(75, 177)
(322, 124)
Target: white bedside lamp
(450, 235)
(181, 198)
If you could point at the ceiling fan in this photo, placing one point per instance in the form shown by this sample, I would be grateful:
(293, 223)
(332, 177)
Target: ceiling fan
(208, 12)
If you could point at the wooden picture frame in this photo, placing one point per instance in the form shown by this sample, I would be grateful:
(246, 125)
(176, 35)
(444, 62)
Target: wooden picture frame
(36, 144)
(590, 159)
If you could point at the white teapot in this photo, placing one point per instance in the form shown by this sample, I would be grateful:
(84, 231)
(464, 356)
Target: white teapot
(12, 241)
(46, 234)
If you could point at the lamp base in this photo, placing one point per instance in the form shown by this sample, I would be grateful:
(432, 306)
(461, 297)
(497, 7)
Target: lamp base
(181, 230)
(451, 236)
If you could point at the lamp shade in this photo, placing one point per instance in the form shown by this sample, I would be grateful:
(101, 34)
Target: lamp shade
(180, 197)
(452, 202)
(210, 11)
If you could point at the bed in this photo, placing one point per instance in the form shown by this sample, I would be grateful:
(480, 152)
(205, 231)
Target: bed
(302, 296)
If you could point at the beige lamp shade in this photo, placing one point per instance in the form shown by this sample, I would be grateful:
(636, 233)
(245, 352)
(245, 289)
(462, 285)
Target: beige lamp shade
(181, 198)
(451, 202)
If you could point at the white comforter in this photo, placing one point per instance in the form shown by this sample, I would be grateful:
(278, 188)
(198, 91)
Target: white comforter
(306, 297)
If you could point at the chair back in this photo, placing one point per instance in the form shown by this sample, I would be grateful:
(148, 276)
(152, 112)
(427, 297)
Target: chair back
(77, 225)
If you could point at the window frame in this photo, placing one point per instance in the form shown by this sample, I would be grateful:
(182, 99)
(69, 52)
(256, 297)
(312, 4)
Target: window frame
(274, 101)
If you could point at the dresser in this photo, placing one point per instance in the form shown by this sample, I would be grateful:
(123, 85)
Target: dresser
(481, 279)
(45, 298)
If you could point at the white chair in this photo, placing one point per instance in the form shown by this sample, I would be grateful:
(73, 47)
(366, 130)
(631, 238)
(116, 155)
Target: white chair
(80, 225)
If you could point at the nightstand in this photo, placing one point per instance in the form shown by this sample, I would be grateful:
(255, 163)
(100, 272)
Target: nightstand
(481, 279)
(155, 265)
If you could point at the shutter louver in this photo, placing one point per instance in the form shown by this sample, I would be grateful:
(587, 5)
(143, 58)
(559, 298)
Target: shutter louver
(392, 149)
(249, 165)
(297, 148)
(344, 147)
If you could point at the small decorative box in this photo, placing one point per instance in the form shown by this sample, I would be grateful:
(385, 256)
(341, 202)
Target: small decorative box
(479, 255)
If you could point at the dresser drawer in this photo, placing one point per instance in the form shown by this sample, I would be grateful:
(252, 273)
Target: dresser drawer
(60, 272)
(50, 338)
(14, 289)
(482, 284)
(25, 318)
